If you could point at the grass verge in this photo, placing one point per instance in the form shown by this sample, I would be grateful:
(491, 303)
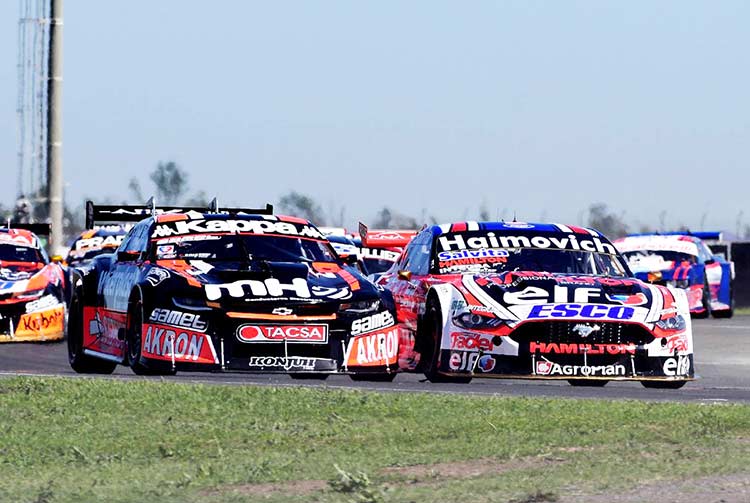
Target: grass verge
(98, 440)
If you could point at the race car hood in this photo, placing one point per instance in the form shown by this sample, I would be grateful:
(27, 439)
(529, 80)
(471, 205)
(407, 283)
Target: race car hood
(17, 271)
(536, 295)
(22, 277)
(233, 283)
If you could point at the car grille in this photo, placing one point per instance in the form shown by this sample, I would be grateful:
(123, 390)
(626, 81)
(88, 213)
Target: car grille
(565, 332)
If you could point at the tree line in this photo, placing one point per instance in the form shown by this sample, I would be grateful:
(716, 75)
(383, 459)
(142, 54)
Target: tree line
(169, 183)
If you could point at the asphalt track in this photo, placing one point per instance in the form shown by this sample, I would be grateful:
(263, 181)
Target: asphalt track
(722, 356)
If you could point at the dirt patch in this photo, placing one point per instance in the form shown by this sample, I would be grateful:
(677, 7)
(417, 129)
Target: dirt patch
(713, 489)
(414, 474)
(475, 467)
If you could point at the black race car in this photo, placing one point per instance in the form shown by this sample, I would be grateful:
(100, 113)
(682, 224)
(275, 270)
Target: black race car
(232, 290)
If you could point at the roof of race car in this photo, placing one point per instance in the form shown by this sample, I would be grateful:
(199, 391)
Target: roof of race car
(19, 237)
(195, 215)
(659, 242)
(103, 231)
(543, 228)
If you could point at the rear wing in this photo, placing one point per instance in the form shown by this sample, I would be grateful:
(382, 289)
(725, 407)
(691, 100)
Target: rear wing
(97, 214)
(707, 235)
(385, 238)
(38, 229)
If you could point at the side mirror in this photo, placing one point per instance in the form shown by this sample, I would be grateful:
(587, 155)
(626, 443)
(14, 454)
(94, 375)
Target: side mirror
(128, 256)
(404, 275)
(57, 259)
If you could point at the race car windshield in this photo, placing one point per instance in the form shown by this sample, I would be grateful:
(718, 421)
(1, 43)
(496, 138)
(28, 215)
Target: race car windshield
(530, 259)
(375, 266)
(72, 259)
(656, 259)
(244, 247)
(14, 253)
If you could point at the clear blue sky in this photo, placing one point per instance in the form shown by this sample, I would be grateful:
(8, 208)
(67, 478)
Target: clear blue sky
(537, 107)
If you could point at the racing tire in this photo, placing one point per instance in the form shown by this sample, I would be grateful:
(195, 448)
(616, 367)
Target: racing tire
(433, 333)
(588, 383)
(706, 303)
(308, 376)
(133, 336)
(80, 362)
(373, 377)
(663, 384)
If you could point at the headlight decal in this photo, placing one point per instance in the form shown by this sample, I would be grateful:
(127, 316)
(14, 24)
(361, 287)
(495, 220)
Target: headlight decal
(672, 324)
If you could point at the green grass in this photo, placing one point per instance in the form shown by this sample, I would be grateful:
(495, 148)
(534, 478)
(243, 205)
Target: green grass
(96, 440)
(742, 311)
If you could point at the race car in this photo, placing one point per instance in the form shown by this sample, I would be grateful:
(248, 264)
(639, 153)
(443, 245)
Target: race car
(92, 242)
(230, 290)
(32, 287)
(380, 249)
(536, 301)
(89, 244)
(683, 261)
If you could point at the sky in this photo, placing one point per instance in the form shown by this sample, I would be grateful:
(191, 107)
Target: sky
(431, 108)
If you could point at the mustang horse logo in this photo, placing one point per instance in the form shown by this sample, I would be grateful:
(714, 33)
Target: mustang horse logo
(586, 330)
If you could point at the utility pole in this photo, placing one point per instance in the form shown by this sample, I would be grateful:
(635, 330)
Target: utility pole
(54, 125)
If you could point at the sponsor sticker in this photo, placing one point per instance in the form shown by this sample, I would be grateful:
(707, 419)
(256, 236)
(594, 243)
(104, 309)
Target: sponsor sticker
(262, 227)
(548, 368)
(42, 303)
(47, 322)
(372, 323)
(485, 240)
(156, 276)
(165, 251)
(272, 287)
(593, 311)
(374, 349)
(486, 363)
(98, 243)
(287, 363)
(160, 342)
(315, 334)
(179, 319)
(579, 349)
(679, 366)
(471, 342)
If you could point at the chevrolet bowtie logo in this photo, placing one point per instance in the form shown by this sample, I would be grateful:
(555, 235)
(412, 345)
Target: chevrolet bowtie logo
(283, 311)
(586, 330)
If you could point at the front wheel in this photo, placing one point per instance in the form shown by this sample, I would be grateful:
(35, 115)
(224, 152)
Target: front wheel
(134, 337)
(80, 362)
(431, 357)
(663, 384)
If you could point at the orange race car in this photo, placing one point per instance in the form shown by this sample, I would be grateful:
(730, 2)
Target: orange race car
(31, 287)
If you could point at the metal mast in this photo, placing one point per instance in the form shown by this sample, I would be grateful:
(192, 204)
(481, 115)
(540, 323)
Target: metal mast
(54, 125)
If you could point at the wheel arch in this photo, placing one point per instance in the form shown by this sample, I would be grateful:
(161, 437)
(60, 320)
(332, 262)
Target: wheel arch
(449, 299)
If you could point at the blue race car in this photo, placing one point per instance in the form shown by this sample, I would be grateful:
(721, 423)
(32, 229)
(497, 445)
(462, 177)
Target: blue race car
(684, 261)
